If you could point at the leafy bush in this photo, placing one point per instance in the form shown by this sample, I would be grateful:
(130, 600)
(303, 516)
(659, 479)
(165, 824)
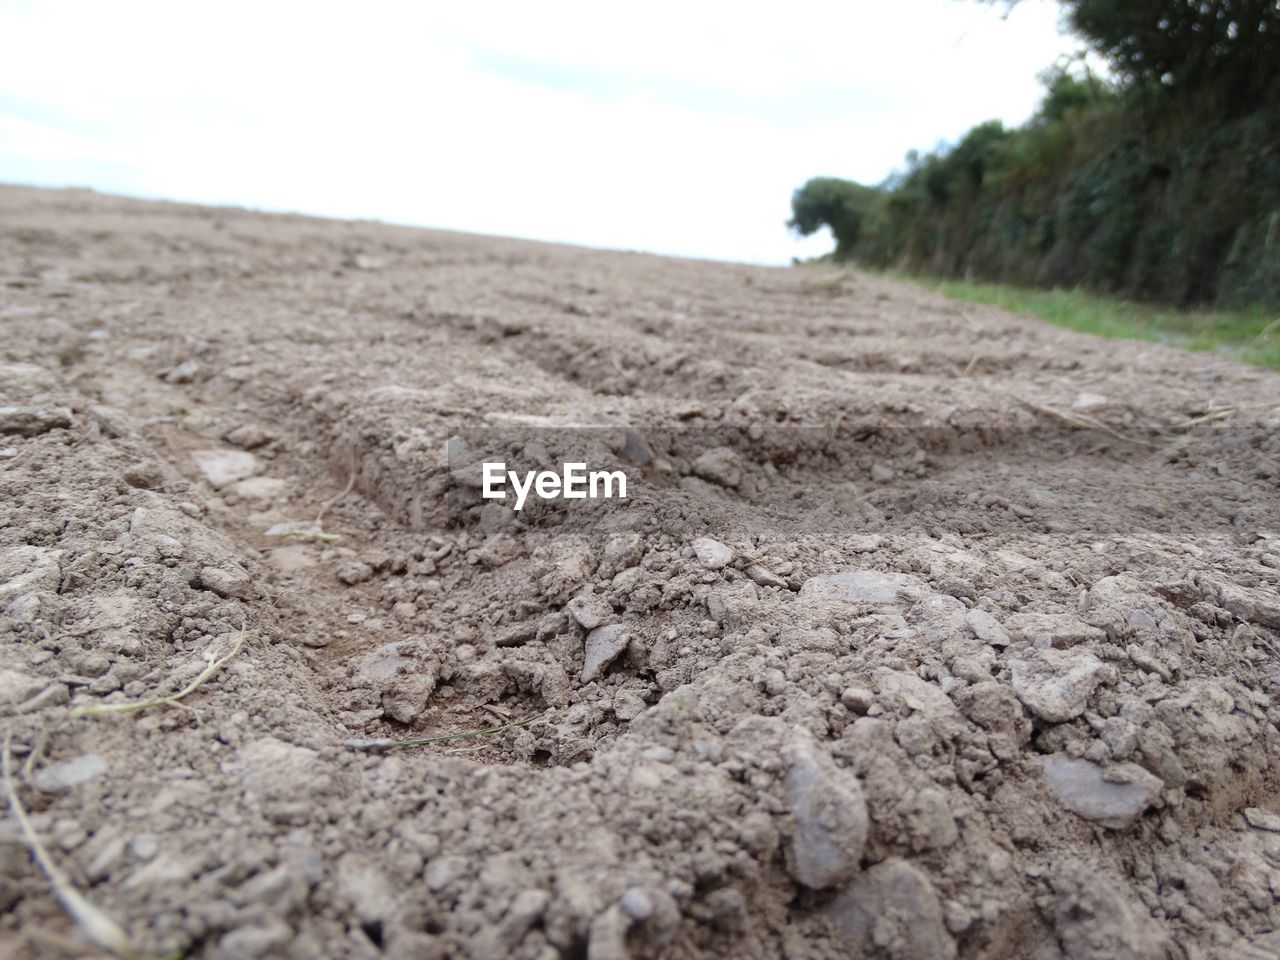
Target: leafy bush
(1147, 188)
(1227, 47)
(841, 205)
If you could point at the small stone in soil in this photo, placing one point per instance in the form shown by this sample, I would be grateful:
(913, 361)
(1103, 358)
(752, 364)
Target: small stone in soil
(234, 584)
(764, 577)
(603, 646)
(58, 777)
(227, 583)
(516, 634)
(1113, 797)
(866, 544)
(893, 904)
(830, 816)
(33, 421)
(1261, 819)
(261, 489)
(719, 465)
(25, 569)
(628, 705)
(407, 697)
(863, 586)
(354, 573)
(144, 475)
(249, 436)
(712, 554)
(1059, 630)
(858, 699)
(224, 467)
(1056, 685)
(16, 687)
(379, 666)
(986, 628)
(184, 372)
(590, 611)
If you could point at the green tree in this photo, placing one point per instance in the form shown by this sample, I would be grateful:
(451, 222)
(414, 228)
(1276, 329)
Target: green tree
(1161, 182)
(1235, 43)
(1229, 46)
(842, 205)
(1065, 93)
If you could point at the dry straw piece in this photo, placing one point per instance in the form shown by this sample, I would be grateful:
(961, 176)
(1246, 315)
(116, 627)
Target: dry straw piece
(386, 743)
(100, 930)
(215, 664)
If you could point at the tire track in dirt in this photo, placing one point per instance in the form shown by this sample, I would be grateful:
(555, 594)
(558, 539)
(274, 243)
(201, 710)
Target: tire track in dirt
(1042, 701)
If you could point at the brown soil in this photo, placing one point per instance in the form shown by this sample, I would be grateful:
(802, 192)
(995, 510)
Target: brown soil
(1035, 719)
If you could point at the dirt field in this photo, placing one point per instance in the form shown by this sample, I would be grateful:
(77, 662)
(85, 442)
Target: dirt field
(925, 631)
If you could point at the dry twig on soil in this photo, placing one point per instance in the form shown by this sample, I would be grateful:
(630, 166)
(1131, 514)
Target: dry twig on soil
(351, 482)
(387, 743)
(1213, 413)
(215, 664)
(99, 929)
(1081, 422)
(316, 530)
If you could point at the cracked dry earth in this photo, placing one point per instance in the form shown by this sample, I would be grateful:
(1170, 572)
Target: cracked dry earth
(927, 631)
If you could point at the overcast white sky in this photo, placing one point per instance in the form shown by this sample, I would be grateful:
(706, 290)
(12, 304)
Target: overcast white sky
(672, 127)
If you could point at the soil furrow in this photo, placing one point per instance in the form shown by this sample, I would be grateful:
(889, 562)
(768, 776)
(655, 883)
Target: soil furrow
(923, 631)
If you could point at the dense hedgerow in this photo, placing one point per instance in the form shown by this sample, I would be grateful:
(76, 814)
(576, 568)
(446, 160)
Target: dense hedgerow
(1163, 184)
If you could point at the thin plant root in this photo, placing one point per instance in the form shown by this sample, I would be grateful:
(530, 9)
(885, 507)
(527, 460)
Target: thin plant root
(1215, 413)
(387, 743)
(215, 664)
(351, 482)
(316, 530)
(1080, 421)
(314, 535)
(466, 734)
(103, 932)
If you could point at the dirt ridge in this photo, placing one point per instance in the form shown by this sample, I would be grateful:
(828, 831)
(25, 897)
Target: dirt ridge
(929, 631)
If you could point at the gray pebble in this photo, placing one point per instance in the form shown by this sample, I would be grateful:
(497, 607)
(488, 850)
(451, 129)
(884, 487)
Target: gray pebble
(712, 554)
(603, 646)
(33, 421)
(58, 777)
(1113, 797)
(830, 817)
(719, 465)
(637, 904)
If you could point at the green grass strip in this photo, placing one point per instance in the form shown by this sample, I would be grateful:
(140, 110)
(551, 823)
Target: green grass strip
(1249, 335)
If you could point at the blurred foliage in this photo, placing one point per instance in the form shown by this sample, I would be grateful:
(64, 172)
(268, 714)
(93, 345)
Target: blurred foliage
(1231, 47)
(842, 205)
(1163, 184)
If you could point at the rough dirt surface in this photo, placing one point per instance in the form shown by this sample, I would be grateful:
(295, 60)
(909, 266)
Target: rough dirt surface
(929, 631)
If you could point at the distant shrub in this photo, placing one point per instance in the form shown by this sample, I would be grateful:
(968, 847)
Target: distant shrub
(1163, 184)
(841, 205)
(1117, 191)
